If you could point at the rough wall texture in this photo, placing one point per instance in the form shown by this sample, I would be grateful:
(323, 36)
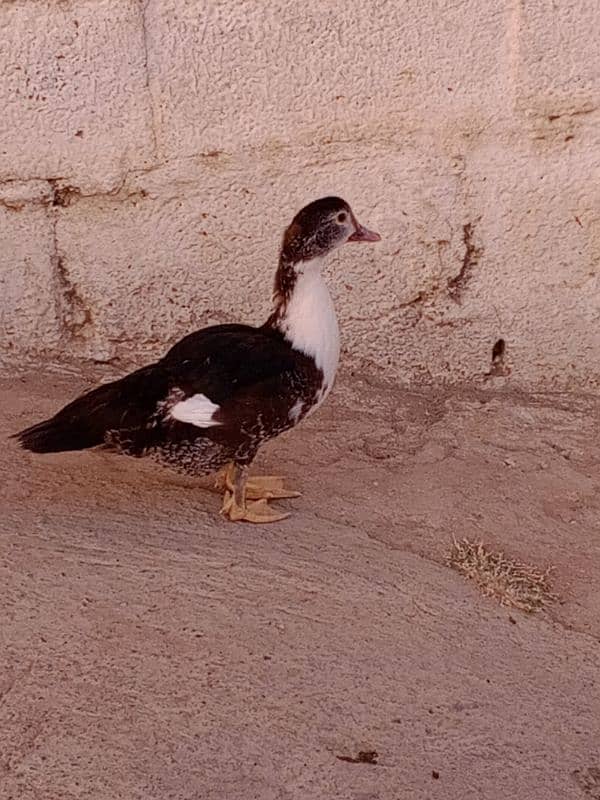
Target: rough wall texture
(151, 153)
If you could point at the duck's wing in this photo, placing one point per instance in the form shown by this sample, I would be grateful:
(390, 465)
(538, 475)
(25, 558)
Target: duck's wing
(225, 361)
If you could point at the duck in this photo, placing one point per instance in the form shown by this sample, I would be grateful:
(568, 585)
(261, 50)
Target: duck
(220, 393)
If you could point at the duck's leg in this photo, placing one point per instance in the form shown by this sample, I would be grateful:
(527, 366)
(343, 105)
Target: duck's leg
(236, 505)
(258, 487)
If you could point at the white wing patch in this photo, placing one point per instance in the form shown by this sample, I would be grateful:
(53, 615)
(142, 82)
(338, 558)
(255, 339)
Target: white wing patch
(295, 411)
(197, 410)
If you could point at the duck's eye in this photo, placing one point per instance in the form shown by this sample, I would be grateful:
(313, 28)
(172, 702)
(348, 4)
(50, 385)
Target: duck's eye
(342, 217)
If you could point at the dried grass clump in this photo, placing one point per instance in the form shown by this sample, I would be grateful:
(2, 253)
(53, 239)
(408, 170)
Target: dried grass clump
(589, 781)
(510, 582)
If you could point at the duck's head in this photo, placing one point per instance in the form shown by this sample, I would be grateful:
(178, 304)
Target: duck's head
(319, 228)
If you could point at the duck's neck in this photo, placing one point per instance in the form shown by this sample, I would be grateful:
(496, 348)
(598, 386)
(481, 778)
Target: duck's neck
(303, 312)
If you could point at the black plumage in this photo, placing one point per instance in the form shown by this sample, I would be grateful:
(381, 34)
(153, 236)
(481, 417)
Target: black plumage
(127, 403)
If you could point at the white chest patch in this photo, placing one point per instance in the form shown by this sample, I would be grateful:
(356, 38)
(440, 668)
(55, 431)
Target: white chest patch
(197, 410)
(310, 323)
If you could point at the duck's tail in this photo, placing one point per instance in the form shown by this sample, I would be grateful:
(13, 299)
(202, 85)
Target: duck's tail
(127, 403)
(57, 434)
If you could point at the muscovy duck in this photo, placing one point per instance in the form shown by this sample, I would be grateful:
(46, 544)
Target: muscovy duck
(221, 392)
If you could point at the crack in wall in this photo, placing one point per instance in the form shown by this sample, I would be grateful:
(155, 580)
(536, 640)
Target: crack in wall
(252, 152)
(19, 200)
(472, 254)
(63, 192)
(63, 195)
(76, 314)
(577, 113)
(73, 313)
(17, 205)
(455, 285)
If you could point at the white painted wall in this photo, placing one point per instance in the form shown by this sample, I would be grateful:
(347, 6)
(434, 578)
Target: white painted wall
(152, 152)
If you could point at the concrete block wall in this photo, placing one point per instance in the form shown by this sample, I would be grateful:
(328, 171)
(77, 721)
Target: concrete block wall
(152, 152)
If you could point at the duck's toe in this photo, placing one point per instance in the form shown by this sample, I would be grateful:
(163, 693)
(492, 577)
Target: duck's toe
(269, 487)
(257, 511)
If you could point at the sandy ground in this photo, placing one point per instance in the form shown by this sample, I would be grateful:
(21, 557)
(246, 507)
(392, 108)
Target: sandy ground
(151, 650)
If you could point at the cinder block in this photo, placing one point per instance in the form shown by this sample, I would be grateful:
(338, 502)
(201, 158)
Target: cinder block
(30, 322)
(229, 75)
(73, 91)
(558, 65)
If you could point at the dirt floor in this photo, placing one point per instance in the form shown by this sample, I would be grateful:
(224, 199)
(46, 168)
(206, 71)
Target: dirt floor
(151, 650)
